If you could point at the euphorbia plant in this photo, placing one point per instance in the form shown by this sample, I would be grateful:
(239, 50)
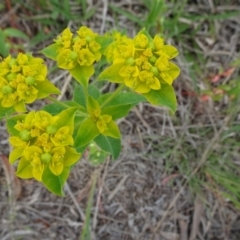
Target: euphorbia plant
(47, 143)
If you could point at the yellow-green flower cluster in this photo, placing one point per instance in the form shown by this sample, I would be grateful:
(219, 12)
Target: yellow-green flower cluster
(142, 63)
(102, 121)
(112, 51)
(23, 80)
(82, 49)
(42, 141)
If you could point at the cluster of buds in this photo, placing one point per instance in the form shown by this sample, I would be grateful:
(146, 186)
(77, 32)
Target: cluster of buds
(141, 63)
(82, 49)
(23, 80)
(42, 142)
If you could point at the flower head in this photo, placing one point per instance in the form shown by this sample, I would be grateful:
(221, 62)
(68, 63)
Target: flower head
(142, 63)
(22, 80)
(82, 49)
(43, 141)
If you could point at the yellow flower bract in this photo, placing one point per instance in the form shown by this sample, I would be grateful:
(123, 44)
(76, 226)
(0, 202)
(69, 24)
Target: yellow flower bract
(142, 63)
(41, 143)
(21, 79)
(82, 49)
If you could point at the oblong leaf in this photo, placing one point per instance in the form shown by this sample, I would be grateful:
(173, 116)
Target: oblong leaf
(55, 108)
(13, 32)
(4, 48)
(112, 73)
(66, 118)
(5, 111)
(82, 74)
(163, 97)
(104, 41)
(46, 88)
(55, 183)
(122, 98)
(15, 154)
(87, 132)
(11, 122)
(71, 156)
(24, 169)
(92, 104)
(93, 92)
(79, 96)
(174, 70)
(109, 144)
(112, 130)
(118, 111)
(50, 51)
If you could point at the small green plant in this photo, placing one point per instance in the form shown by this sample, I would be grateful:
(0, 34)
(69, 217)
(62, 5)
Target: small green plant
(6, 45)
(49, 142)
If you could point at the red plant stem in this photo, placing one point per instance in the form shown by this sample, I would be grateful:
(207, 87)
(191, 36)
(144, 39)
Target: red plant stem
(9, 7)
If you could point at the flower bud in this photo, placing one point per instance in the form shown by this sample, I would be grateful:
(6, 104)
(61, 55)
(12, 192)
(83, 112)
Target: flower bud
(153, 59)
(7, 89)
(88, 39)
(51, 129)
(130, 61)
(25, 135)
(46, 157)
(73, 55)
(154, 70)
(11, 76)
(29, 80)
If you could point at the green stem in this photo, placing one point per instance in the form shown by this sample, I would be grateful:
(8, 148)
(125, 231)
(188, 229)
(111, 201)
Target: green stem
(80, 113)
(57, 101)
(86, 228)
(113, 95)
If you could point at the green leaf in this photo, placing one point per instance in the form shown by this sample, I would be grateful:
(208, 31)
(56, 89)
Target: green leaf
(174, 70)
(5, 111)
(50, 51)
(92, 104)
(109, 144)
(15, 154)
(55, 108)
(13, 32)
(82, 74)
(104, 41)
(118, 111)
(112, 73)
(81, 149)
(171, 51)
(11, 122)
(24, 169)
(87, 132)
(79, 96)
(4, 49)
(71, 156)
(66, 118)
(93, 92)
(163, 97)
(145, 32)
(122, 98)
(112, 130)
(55, 183)
(46, 88)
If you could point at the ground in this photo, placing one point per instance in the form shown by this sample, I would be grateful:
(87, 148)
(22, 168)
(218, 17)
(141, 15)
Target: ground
(177, 177)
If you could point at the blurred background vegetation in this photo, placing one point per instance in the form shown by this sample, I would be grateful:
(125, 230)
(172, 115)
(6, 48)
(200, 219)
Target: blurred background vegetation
(200, 144)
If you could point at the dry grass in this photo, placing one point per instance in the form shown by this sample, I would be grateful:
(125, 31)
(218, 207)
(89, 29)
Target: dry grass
(159, 188)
